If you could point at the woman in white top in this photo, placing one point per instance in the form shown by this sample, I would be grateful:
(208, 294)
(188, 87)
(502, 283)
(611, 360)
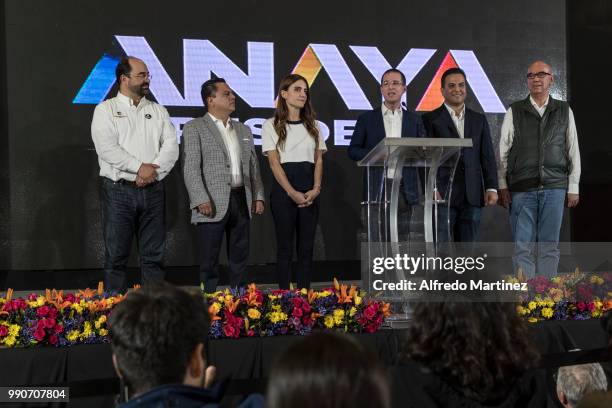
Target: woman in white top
(294, 147)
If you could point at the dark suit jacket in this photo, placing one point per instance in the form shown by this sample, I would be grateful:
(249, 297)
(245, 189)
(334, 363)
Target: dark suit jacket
(370, 130)
(477, 169)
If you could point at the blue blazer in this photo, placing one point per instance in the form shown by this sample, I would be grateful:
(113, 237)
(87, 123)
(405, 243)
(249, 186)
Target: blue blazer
(477, 169)
(370, 130)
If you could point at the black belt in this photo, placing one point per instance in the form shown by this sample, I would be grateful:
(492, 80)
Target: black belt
(133, 183)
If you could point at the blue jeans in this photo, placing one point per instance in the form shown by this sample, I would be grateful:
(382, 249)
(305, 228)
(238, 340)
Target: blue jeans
(535, 217)
(458, 224)
(130, 210)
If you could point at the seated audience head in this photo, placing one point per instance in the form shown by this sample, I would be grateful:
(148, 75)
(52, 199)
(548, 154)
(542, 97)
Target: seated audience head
(158, 336)
(574, 382)
(328, 370)
(480, 349)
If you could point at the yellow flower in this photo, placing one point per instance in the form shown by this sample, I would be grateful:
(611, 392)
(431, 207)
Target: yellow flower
(338, 316)
(276, 317)
(324, 293)
(532, 305)
(254, 313)
(73, 335)
(358, 300)
(10, 341)
(77, 307)
(228, 299)
(304, 291)
(272, 297)
(352, 311)
(103, 332)
(14, 330)
(86, 330)
(532, 320)
(215, 307)
(40, 301)
(556, 280)
(521, 310)
(596, 280)
(547, 312)
(329, 321)
(276, 308)
(102, 319)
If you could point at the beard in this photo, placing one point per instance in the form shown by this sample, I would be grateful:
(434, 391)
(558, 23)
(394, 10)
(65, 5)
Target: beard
(140, 90)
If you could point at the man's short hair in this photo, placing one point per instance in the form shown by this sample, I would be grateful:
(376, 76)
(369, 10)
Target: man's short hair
(578, 380)
(123, 68)
(452, 71)
(209, 88)
(154, 332)
(396, 71)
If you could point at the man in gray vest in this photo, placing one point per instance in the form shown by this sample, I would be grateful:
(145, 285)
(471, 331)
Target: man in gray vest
(539, 171)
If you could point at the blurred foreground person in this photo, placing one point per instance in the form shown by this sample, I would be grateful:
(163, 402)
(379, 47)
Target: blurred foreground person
(328, 370)
(158, 336)
(574, 382)
(469, 354)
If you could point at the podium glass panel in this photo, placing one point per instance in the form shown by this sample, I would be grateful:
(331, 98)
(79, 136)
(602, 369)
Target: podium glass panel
(408, 180)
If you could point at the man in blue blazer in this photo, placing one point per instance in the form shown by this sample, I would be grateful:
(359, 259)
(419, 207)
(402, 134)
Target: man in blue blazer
(475, 180)
(390, 120)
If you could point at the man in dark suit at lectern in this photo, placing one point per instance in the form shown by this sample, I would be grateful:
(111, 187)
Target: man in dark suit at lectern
(389, 120)
(475, 179)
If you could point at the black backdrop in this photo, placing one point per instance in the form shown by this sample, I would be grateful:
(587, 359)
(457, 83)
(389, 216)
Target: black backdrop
(51, 217)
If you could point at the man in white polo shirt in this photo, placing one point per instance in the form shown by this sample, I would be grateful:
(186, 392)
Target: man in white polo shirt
(136, 146)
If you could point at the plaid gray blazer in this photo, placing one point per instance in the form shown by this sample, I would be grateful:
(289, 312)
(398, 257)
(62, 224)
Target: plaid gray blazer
(206, 167)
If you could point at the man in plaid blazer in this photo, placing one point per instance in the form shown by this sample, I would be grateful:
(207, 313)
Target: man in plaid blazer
(221, 173)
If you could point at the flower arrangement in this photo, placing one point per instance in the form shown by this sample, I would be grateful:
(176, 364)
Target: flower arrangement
(55, 319)
(64, 320)
(251, 313)
(573, 296)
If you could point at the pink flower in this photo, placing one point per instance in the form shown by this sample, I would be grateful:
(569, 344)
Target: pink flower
(297, 312)
(70, 298)
(230, 331)
(370, 311)
(32, 297)
(3, 331)
(53, 340)
(581, 306)
(59, 328)
(250, 333)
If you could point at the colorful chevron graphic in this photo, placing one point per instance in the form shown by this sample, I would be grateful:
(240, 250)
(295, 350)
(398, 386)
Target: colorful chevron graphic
(433, 98)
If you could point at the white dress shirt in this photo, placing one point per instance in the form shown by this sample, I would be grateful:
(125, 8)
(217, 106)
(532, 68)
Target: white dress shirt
(507, 137)
(458, 120)
(126, 135)
(392, 120)
(228, 134)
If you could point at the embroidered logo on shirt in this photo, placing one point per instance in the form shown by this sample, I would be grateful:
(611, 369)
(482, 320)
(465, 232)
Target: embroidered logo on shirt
(148, 116)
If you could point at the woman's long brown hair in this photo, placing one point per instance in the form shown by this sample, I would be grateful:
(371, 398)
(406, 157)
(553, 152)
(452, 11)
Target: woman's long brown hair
(281, 115)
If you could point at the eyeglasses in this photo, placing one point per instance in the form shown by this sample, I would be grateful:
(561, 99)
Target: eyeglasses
(539, 75)
(392, 83)
(142, 75)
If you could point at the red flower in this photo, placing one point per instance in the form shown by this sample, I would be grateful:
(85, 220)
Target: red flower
(53, 340)
(250, 333)
(49, 323)
(39, 333)
(3, 331)
(70, 298)
(297, 312)
(581, 306)
(59, 328)
(32, 297)
(42, 311)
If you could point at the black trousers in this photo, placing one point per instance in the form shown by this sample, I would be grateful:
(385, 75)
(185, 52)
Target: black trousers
(235, 226)
(291, 222)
